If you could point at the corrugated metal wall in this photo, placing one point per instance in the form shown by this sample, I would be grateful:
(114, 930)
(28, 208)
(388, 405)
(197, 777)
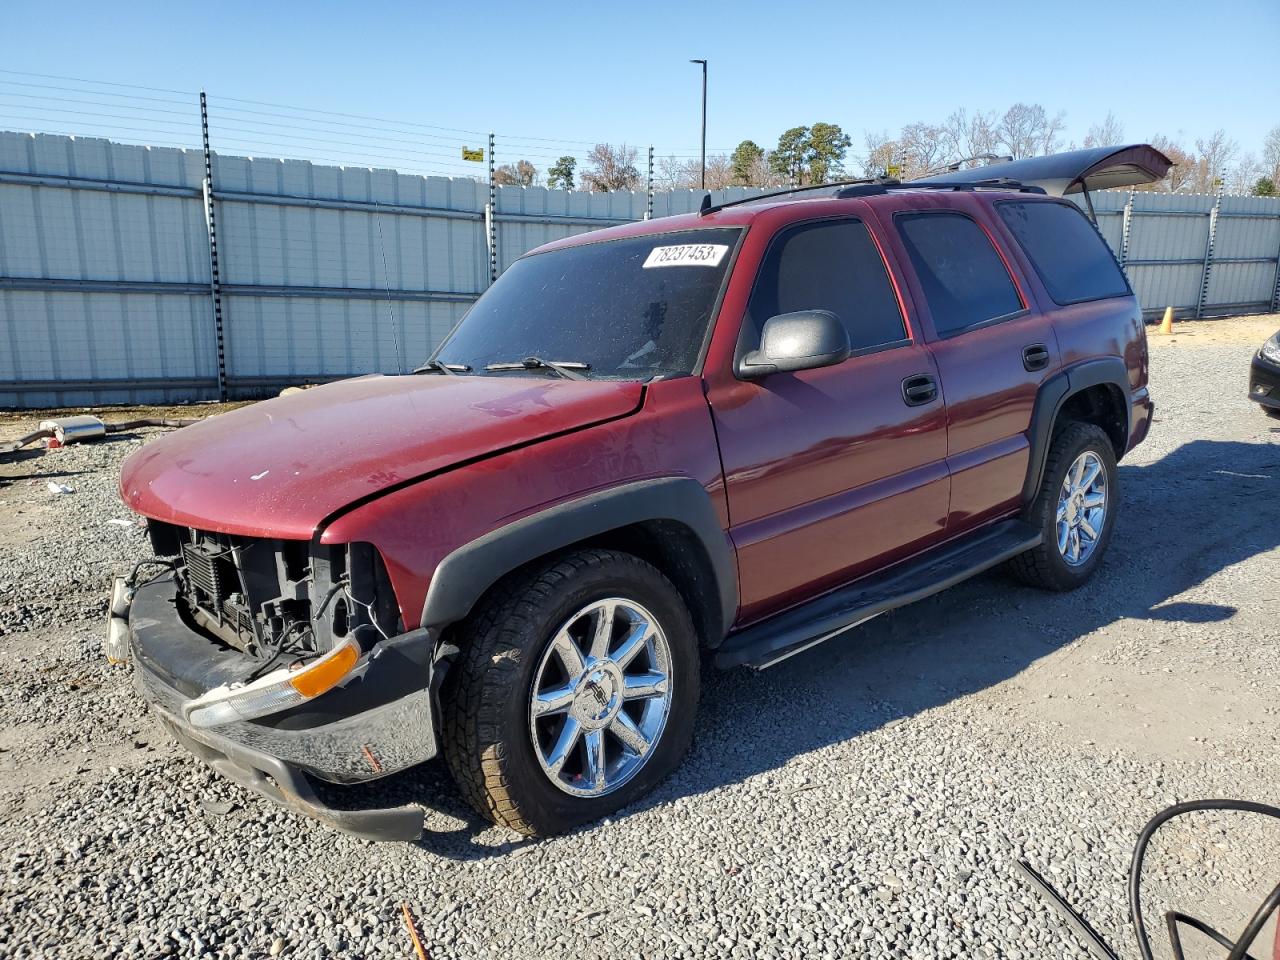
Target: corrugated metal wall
(328, 271)
(1167, 250)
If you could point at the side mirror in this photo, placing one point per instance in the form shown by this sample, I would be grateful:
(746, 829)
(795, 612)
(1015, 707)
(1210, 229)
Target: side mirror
(804, 340)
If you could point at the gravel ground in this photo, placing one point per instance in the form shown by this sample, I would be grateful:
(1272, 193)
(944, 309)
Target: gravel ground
(866, 798)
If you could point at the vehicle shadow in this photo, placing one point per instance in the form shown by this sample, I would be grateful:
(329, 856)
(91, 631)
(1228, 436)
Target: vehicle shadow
(956, 643)
(37, 463)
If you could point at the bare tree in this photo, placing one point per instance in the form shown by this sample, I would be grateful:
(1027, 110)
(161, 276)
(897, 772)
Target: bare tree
(1027, 130)
(611, 168)
(1181, 174)
(520, 174)
(673, 173)
(1108, 133)
(1271, 155)
(1243, 175)
(1216, 154)
(972, 135)
(923, 149)
(880, 153)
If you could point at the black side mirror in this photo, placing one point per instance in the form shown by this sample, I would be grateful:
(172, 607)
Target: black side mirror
(803, 340)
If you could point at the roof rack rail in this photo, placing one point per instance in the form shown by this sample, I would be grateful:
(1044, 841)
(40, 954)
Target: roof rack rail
(874, 188)
(709, 207)
(847, 189)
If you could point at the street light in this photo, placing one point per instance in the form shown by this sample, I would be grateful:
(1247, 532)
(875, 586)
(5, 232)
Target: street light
(704, 121)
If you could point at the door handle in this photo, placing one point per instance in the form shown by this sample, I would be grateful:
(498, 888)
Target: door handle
(1035, 357)
(919, 390)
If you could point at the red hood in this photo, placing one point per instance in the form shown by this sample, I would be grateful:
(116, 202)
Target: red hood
(280, 467)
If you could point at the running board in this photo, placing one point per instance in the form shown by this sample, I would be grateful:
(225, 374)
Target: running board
(782, 636)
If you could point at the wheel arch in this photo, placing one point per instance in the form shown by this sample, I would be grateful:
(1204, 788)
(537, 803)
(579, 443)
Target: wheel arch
(1091, 392)
(669, 522)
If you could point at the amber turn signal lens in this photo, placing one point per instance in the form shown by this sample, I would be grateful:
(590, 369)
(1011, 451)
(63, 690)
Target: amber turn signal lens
(326, 672)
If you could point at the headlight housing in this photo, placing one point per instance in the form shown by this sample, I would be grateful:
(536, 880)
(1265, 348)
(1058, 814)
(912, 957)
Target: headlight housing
(1271, 349)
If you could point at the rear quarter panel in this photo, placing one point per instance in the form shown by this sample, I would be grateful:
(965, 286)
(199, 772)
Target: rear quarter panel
(1093, 329)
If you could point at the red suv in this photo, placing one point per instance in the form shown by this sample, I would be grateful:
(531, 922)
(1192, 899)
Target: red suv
(742, 431)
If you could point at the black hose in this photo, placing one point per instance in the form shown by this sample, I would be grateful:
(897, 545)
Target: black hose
(1239, 952)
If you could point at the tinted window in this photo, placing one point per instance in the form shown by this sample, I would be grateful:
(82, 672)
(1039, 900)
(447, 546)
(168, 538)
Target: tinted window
(963, 277)
(828, 266)
(1072, 260)
(631, 309)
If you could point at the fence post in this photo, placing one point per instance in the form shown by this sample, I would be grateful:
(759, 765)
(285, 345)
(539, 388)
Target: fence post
(1275, 293)
(1208, 255)
(211, 226)
(1126, 230)
(491, 218)
(648, 202)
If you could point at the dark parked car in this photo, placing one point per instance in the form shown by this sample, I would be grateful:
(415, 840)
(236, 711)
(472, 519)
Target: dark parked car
(745, 430)
(1264, 377)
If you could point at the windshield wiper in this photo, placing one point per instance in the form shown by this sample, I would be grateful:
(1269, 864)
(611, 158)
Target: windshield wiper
(452, 369)
(564, 368)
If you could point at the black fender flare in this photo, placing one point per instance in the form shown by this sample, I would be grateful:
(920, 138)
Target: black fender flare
(464, 575)
(1056, 391)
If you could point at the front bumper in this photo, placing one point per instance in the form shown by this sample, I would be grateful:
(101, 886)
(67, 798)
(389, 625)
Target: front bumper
(1264, 382)
(376, 722)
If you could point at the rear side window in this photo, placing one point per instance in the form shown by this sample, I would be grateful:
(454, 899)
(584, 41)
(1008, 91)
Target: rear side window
(1072, 260)
(831, 265)
(963, 277)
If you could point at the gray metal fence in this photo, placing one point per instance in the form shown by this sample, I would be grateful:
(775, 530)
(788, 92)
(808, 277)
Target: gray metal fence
(1203, 256)
(107, 293)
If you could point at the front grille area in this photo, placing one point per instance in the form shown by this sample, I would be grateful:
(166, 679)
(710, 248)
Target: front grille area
(269, 597)
(211, 574)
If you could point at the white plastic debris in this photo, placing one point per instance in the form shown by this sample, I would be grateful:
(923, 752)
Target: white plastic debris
(59, 487)
(120, 523)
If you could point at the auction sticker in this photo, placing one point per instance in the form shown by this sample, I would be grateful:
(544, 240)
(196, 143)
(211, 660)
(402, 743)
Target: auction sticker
(687, 255)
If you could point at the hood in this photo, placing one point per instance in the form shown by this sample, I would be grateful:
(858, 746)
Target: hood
(280, 467)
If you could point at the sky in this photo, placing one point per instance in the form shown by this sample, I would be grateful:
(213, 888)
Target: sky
(553, 78)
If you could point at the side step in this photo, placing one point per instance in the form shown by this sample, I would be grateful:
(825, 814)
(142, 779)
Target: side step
(782, 636)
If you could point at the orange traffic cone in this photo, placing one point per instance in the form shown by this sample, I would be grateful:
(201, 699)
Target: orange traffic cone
(1166, 325)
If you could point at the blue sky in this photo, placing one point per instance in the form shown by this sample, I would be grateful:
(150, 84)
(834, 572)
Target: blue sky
(555, 77)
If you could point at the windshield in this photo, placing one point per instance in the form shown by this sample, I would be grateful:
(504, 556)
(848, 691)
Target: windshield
(628, 309)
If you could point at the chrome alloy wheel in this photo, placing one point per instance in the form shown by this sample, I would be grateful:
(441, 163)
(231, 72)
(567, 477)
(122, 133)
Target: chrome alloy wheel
(1082, 508)
(600, 697)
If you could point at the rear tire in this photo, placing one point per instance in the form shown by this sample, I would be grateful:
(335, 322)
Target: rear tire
(1075, 510)
(552, 720)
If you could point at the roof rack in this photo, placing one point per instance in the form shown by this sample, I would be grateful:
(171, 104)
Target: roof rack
(709, 207)
(847, 189)
(885, 185)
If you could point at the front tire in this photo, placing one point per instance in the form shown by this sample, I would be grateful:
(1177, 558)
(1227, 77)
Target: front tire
(1075, 510)
(1272, 412)
(574, 694)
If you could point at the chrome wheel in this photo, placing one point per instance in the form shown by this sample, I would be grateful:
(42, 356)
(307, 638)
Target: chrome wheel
(1082, 508)
(600, 697)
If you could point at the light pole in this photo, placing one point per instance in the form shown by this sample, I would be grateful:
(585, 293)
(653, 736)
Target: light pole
(704, 121)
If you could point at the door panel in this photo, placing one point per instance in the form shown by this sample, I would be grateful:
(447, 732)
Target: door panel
(829, 474)
(990, 397)
(993, 347)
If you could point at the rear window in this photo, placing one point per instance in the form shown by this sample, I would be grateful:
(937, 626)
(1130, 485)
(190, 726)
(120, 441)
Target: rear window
(829, 265)
(1070, 257)
(964, 279)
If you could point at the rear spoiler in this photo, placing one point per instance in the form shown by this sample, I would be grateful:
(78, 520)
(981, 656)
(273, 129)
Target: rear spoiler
(1058, 174)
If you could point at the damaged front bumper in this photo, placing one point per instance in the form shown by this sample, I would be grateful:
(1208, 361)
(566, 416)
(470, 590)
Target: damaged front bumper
(377, 721)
